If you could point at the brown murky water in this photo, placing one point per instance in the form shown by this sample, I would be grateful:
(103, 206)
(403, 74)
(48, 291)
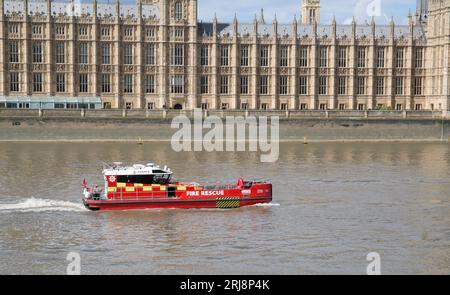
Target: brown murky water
(334, 203)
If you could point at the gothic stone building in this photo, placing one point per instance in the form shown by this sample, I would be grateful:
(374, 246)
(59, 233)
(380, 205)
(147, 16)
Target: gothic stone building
(155, 54)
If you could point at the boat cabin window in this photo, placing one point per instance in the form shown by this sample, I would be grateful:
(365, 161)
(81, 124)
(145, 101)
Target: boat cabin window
(144, 179)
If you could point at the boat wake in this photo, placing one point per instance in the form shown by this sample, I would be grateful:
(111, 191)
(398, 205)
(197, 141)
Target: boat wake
(267, 205)
(41, 205)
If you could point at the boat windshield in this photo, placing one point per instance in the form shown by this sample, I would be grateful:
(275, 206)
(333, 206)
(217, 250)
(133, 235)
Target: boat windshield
(145, 179)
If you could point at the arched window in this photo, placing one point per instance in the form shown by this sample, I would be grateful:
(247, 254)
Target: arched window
(178, 10)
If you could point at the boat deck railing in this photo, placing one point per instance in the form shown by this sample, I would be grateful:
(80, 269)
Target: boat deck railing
(119, 195)
(122, 194)
(218, 187)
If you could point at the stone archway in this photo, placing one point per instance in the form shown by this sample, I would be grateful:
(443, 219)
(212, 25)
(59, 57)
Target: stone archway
(178, 107)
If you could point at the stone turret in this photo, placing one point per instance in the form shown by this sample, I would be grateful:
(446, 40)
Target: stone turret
(422, 11)
(438, 43)
(310, 12)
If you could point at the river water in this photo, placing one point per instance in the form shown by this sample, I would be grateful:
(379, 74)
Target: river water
(333, 204)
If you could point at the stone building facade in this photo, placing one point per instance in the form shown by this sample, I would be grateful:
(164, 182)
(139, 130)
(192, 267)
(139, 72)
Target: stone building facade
(156, 54)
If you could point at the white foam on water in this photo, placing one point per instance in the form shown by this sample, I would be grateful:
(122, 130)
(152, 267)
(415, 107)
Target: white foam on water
(267, 205)
(41, 205)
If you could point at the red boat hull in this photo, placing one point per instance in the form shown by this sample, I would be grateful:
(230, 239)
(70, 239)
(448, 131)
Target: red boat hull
(167, 204)
(177, 196)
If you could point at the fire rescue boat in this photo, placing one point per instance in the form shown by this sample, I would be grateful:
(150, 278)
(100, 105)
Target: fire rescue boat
(149, 186)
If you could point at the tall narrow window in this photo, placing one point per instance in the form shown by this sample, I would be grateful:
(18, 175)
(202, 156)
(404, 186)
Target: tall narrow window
(264, 56)
(224, 56)
(37, 30)
(399, 57)
(60, 83)
(224, 84)
(303, 85)
(128, 54)
(399, 85)
(106, 54)
(323, 85)
(14, 84)
(204, 56)
(83, 31)
(380, 57)
(204, 84)
(312, 16)
(150, 55)
(264, 85)
(380, 85)
(106, 83)
(60, 30)
(361, 86)
(178, 33)
(13, 28)
(361, 56)
(60, 53)
(418, 86)
(128, 83)
(244, 84)
(128, 31)
(418, 63)
(37, 52)
(342, 85)
(283, 85)
(244, 56)
(303, 57)
(14, 52)
(323, 57)
(150, 32)
(177, 55)
(105, 31)
(37, 82)
(83, 49)
(149, 83)
(177, 84)
(342, 57)
(178, 11)
(84, 83)
(284, 56)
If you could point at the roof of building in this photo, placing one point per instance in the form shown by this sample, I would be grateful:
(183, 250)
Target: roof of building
(244, 29)
(61, 7)
(224, 29)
